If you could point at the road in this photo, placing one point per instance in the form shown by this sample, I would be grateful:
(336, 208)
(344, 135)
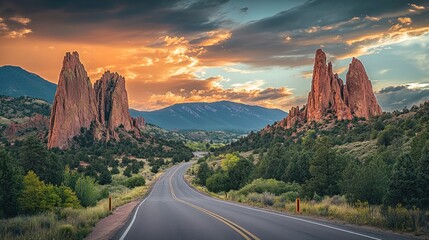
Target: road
(173, 210)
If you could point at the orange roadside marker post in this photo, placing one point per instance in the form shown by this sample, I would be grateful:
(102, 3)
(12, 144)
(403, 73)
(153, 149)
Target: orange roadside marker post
(298, 209)
(110, 203)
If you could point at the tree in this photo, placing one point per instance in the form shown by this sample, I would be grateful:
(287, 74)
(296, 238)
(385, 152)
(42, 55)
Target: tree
(218, 182)
(11, 178)
(402, 186)
(325, 169)
(105, 177)
(37, 197)
(423, 178)
(240, 173)
(203, 173)
(34, 156)
(86, 191)
(68, 197)
(229, 161)
(366, 182)
(115, 170)
(127, 171)
(274, 163)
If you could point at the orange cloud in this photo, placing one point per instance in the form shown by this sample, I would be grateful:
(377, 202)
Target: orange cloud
(405, 20)
(22, 20)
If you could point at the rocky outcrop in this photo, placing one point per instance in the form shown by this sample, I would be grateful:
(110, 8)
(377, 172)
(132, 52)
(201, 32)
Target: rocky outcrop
(330, 98)
(361, 99)
(37, 121)
(74, 103)
(295, 116)
(139, 122)
(327, 92)
(78, 105)
(112, 103)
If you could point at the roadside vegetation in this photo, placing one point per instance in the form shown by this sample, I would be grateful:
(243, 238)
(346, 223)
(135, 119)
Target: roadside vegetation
(53, 194)
(362, 172)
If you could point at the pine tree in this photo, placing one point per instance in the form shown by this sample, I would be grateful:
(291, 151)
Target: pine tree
(402, 186)
(11, 177)
(423, 178)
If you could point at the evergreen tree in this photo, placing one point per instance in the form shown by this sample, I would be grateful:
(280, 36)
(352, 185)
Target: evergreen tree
(105, 177)
(423, 178)
(402, 186)
(203, 173)
(325, 169)
(218, 182)
(240, 173)
(11, 177)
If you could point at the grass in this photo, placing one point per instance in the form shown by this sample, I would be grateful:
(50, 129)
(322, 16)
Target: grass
(71, 223)
(334, 208)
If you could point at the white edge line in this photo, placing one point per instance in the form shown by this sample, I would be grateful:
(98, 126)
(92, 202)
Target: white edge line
(286, 216)
(135, 213)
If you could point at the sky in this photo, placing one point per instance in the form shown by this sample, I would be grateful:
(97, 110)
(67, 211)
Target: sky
(248, 51)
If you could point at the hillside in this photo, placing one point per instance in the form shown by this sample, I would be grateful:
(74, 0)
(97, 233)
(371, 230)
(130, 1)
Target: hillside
(17, 82)
(223, 115)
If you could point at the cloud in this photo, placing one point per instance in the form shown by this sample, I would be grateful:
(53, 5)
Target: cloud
(21, 20)
(397, 97)
(19, 33)
(405, 20)
(345, 29)
(244, 10)
(416, 7)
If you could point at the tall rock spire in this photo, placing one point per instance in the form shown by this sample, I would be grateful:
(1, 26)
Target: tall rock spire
(74, 103)
(112, 103)
(331, 98)
(362, 101)
(77, 105)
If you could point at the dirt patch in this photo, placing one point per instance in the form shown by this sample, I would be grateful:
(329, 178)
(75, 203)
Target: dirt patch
(108, 226)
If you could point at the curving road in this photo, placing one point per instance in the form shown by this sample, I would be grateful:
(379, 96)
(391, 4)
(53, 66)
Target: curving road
(173, 210)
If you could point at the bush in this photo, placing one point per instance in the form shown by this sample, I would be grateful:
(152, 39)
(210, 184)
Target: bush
(136, 181)
(268, 198)
(67, 231)
(269, 185)
(254, 197)
(289, 196)
(87, 191)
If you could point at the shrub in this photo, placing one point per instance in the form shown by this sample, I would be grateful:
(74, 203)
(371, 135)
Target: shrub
(269, 185)
(67, 231)
(268, 198)
(289, 196)
(136, 181)
(254, 197)
(87, 191)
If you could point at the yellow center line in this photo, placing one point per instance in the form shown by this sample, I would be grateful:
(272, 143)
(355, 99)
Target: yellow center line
(240, 230)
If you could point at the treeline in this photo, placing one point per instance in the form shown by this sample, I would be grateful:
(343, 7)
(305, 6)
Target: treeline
(391, 169)
(34, 179)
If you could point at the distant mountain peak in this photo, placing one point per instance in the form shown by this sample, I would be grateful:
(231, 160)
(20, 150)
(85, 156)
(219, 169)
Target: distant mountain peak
(16, 81)
(221, 115)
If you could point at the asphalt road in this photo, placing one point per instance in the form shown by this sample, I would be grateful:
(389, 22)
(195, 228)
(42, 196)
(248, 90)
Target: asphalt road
(173, 210)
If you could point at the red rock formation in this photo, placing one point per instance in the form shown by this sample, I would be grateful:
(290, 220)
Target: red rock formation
(77, 105)
(295, 116)
(139, 122)
(330, 98)
(37, 121)
(361, 98)
(327, 92)
(74, 103)
(112, 103)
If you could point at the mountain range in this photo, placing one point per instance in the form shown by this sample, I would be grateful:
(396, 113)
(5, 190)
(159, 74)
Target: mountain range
(223, 115)
(17, 82)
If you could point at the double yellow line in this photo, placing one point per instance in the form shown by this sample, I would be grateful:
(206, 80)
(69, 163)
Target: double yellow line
(240, 230)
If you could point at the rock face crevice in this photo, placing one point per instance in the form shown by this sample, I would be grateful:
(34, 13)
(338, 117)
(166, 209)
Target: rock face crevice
(78, 105)
(112, 103)
(331, 98)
